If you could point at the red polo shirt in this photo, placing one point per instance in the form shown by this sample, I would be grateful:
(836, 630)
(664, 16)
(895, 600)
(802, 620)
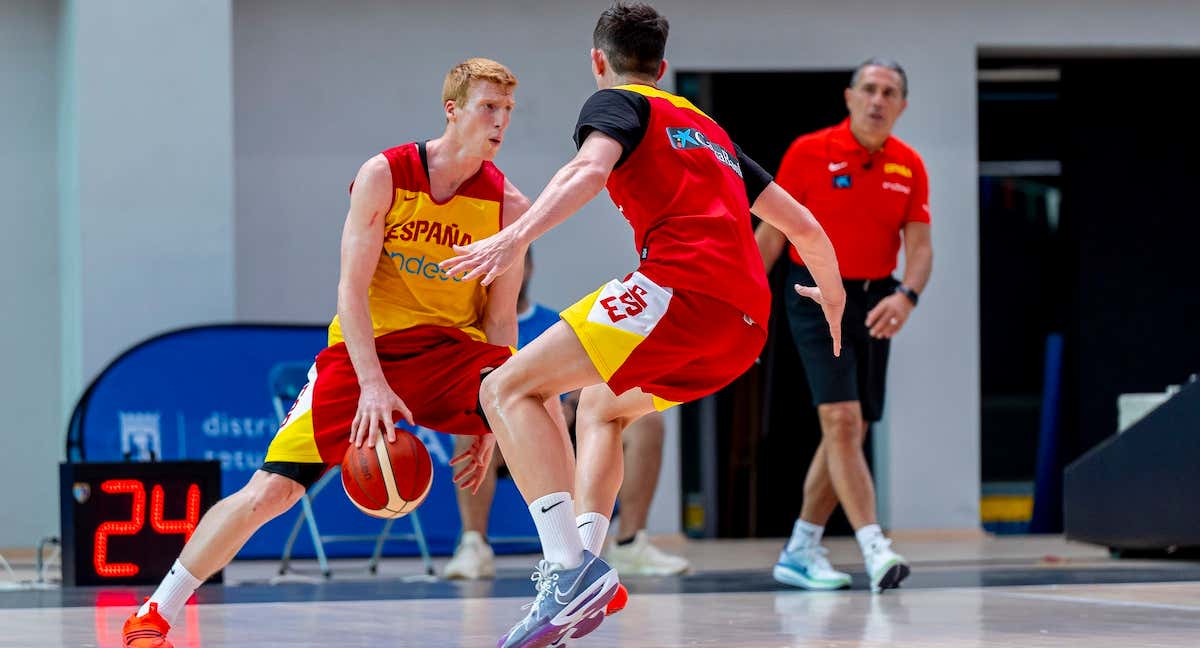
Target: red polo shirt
(862, 200)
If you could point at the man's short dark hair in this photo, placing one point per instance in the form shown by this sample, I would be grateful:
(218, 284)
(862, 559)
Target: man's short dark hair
(882, 62)
(633, 37)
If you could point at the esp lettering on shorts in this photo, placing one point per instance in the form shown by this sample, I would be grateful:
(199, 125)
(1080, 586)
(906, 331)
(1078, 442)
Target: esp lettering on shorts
(627, 304)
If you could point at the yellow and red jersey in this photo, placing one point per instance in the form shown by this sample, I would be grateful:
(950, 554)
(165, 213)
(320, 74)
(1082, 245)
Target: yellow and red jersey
(409, 287)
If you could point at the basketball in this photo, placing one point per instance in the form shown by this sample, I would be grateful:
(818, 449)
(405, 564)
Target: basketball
(391, 479)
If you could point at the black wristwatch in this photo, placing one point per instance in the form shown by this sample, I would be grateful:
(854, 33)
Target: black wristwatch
(908, 292)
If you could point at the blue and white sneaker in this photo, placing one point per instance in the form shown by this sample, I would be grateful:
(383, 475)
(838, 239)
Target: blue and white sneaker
(570, 603)
(808, 568)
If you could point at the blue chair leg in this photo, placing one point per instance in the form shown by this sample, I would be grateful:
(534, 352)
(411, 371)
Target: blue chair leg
(305, 501)
(286, 559)
(373, 566)
(419, 534)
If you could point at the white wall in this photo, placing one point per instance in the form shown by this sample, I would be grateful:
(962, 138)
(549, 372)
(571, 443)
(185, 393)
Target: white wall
(152, 147)
(30, 438)
(119, 117)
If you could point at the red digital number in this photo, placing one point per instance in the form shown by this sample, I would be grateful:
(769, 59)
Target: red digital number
(134, 525)
(100, 546)
(167, 527)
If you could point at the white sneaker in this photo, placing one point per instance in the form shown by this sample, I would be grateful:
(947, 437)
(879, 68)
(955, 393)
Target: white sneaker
(473, 559)
(885, 567)
(641, 557)
(808, 568)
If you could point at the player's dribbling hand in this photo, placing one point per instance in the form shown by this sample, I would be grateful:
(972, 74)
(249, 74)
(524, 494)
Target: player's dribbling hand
(376, 403)
(833, 313)
(488, 258)
(475, 463)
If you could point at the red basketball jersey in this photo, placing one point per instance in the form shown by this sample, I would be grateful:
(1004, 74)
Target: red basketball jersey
(682, 191)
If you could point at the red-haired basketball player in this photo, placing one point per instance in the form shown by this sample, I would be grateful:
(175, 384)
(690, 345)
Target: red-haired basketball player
(688, 321)
(409, 337)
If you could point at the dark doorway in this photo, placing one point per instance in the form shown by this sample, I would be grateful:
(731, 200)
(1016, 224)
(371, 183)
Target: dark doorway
(766, 430)
(1107, 264)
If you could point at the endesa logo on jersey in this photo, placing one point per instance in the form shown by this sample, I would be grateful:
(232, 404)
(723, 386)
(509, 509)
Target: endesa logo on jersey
(421, 267)
(684, 139)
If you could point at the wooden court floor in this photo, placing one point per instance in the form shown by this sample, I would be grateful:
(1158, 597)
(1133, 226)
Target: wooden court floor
(975, 592)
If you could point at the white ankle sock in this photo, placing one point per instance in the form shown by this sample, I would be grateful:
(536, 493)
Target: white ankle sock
(554, 517)
(593, 529)
(172, 594)
(804, 534)
(867, 536)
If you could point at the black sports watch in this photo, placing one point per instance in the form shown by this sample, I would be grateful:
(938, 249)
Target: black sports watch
(908, 292)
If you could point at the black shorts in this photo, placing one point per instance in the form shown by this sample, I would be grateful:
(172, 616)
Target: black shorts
(860, 373)
(305, 474)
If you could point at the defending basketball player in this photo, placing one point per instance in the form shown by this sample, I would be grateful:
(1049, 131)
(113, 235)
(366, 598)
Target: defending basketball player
(689, 320)
(409, 337)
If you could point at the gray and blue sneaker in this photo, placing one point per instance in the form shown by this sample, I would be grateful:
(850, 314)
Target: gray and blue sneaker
(570, 603)
(808, 568)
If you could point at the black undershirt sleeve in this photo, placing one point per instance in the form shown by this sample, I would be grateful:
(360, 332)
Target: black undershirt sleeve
(620, 114)
(754, 176)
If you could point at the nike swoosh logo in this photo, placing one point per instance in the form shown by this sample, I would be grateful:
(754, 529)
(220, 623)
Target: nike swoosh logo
(546, 509)
(561, 597)
(586, 523)
(559, 594)
(838, 166)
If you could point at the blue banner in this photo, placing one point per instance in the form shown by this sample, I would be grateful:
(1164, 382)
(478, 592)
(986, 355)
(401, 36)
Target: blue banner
(203, 393)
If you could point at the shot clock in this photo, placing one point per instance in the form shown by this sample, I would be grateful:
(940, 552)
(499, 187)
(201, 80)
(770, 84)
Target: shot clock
(125, 523)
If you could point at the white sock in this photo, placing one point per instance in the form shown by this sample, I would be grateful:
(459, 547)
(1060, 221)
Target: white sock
(593, 529)
(554, 517)
(868, 536)
(172, 593)
(804, 534)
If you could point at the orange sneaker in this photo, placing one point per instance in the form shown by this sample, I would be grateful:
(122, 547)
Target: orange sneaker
(618, 601)
(149, 631)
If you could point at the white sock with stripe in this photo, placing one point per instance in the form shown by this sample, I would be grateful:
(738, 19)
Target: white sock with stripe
(172, 594)
(593, 529)
(804, 534)
(554, 517)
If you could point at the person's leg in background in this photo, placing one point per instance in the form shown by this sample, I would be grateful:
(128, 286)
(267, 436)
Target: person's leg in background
(632, 553)
(474, 558)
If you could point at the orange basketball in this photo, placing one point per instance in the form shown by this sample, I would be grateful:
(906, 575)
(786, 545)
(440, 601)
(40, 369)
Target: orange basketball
(389, 480)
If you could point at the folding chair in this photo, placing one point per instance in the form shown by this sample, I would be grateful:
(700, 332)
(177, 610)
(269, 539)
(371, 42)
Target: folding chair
(285, 381)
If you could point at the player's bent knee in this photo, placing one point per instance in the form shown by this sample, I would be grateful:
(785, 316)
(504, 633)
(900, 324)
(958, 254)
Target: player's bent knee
(269, 495)
(491, 387)
(502, 388)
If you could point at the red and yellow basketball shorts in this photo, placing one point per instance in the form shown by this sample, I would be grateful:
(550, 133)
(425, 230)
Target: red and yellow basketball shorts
(676, 345)
(435, 371)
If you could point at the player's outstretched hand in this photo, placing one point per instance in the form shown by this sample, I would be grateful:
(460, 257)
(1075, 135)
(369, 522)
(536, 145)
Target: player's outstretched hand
(488, 258)
(833, 313)
(475, 462)
(376, 403)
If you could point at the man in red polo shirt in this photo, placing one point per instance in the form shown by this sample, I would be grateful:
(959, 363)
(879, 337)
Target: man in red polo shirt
(869, 191)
